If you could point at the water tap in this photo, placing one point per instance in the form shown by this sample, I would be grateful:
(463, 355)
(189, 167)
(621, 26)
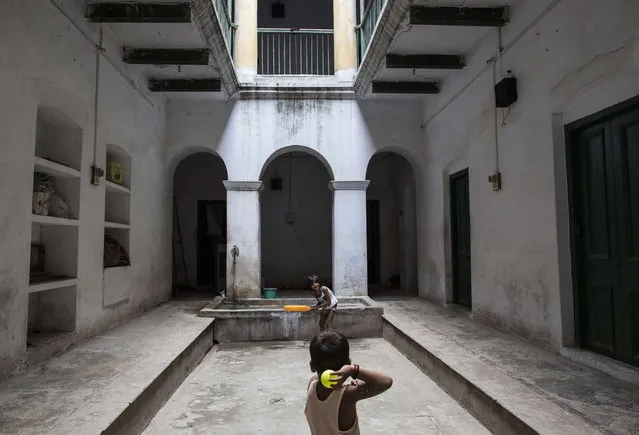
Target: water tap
(235, 252)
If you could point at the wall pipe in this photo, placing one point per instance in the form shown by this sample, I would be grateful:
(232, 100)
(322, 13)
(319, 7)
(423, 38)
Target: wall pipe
(96, 104)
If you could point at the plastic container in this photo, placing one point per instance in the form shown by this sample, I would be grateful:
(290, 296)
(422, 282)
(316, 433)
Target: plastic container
(270, 293)
(297, 308)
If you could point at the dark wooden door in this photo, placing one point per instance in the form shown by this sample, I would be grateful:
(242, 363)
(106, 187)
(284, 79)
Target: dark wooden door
(372, 241)
(604, 163)
(460, 232)
(625, 137)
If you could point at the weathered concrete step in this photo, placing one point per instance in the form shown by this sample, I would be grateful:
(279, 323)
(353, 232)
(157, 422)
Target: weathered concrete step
(503, 404)
(550, 393)
(113, 383)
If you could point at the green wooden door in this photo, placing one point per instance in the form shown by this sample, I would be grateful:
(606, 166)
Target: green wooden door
(460, 232)
(625, 139)
(604, 159)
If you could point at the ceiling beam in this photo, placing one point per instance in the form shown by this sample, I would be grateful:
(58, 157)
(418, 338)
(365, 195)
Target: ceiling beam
(430, 87)
(117, 12)
(425, 61)
(185, 85)
(165, 56)
(459, 16)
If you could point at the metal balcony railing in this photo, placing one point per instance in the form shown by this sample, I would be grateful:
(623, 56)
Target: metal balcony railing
(367, 26)
(295, 52)
(222, 8)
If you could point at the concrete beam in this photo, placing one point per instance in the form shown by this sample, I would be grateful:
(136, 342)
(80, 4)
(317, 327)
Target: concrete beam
(164, 56)
(431, 87)
(117, 12)
(185, 85)
(425, 61)
(205, 19)
(388, 24)
(459, 16)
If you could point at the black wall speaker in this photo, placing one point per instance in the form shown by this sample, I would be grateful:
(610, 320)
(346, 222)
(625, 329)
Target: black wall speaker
(506, 92)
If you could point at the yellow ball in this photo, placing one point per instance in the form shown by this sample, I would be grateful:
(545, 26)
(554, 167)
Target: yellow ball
(329, 378)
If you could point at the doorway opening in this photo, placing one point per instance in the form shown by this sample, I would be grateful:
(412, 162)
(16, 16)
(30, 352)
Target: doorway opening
(391, 225)
(296, 208)
(199, 224)
(211, 244)
(603, 179)
(460, 238)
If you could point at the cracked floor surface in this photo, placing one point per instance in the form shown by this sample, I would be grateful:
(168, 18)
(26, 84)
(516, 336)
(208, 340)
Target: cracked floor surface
(249, 388)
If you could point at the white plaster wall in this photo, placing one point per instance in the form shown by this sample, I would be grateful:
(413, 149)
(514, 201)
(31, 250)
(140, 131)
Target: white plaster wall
(44, 60)
(249, 134)
(578, 57)
(197, 177)
(292, 251)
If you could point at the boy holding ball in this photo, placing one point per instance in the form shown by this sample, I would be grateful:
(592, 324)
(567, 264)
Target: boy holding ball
(333, 411)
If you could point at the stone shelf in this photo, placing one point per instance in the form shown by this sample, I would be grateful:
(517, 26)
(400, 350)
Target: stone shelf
(116, 188)
(51, 284)
(55, 169)
(52, 220)
(116, 225)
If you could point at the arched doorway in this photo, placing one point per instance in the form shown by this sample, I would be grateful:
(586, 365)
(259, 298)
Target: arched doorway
(391, 220)
(199, 223)
(296, 220)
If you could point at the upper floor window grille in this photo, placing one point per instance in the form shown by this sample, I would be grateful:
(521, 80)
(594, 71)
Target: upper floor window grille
(295, 37)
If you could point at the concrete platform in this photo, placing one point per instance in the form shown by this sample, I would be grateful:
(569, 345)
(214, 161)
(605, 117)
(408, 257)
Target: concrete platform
(112, 383)
(251, 388)
(511, 385)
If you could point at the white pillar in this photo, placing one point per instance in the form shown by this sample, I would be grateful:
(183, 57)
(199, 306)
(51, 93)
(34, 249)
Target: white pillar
(350, 267)
(243, 230)
(345, 40)
(246, 39)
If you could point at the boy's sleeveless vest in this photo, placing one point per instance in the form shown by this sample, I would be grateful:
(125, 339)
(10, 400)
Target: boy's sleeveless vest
(333, 301)
(322, 415)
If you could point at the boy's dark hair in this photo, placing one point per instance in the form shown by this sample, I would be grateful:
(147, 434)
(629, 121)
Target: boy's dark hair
(312, 279)
(329, 351)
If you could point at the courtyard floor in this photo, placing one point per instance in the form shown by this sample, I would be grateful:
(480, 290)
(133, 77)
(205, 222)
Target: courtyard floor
(249, 388)
(120, 378)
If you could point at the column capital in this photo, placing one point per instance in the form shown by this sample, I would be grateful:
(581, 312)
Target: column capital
(243, 186)
(349, 185)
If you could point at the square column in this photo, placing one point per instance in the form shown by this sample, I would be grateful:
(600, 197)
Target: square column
(246, 39)
(350, 267)
(243, 230)
(345, 39)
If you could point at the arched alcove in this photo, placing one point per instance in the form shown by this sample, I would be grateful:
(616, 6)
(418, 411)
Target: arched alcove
(199, 223)
(296, 219)
(391, 219)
